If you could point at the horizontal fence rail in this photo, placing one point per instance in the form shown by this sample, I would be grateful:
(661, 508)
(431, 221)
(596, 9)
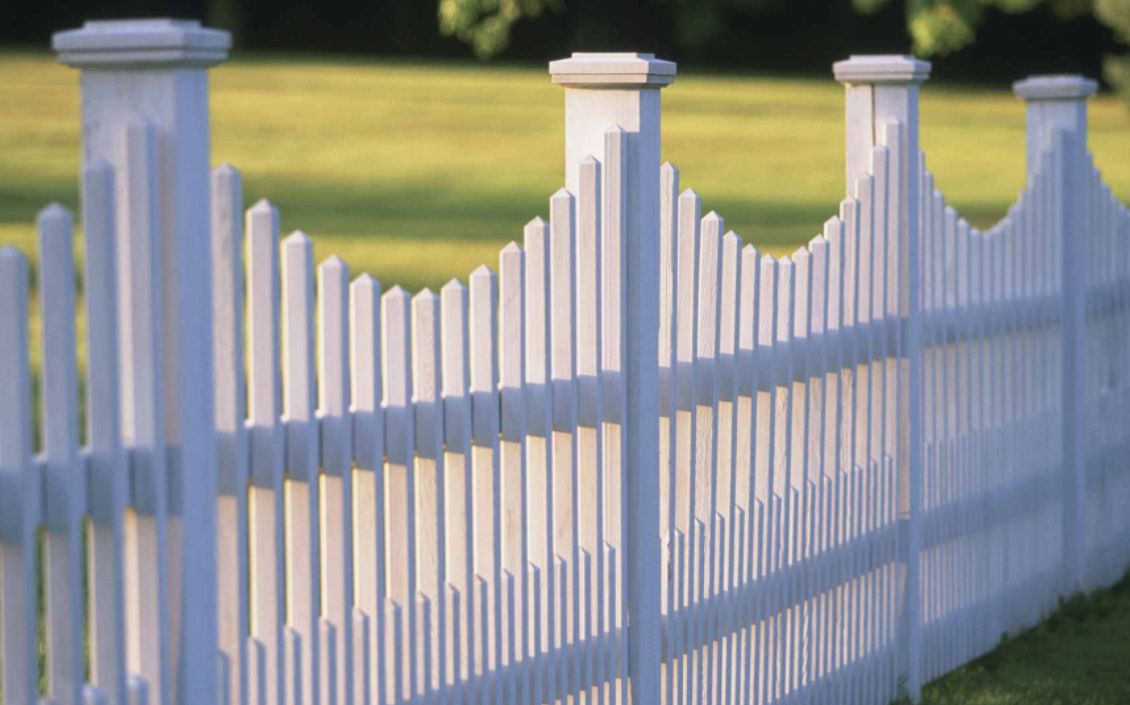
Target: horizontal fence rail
(823, 478)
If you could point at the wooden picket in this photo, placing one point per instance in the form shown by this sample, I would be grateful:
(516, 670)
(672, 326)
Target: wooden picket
(871, 458)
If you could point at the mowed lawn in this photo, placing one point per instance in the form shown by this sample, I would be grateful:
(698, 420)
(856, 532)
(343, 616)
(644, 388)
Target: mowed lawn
(420, 172)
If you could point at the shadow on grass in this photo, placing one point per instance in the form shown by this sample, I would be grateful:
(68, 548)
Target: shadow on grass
(1078, 655)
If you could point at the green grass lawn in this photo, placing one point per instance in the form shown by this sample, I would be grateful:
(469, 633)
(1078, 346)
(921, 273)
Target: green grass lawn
(421, 172)
(1078, 656)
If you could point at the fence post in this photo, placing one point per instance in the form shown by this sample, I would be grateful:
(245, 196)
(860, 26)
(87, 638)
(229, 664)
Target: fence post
(879, 90)
(1058, 104)
(603, 92)
(154, 71)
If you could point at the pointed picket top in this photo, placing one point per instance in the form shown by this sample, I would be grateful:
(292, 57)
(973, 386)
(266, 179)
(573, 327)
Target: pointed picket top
(262, 206)
(689, 193)
(9, 254)
(818, 240)
(454, 286)
(561, 194)
(800, 253)
(425, 294)
(712, 217)
(832, 222)
(333, 263)
(53, 212)
(614, 130)
(537, 222)
(749, 249)
(226, 169)
(397, 293)
(590, 160)
(483, 271)
(511, 248)
(730, 238)
(297, 238)
(367, 281)
(262, 220)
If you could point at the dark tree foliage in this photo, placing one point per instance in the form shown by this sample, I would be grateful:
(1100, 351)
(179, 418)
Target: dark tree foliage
(1013, 38)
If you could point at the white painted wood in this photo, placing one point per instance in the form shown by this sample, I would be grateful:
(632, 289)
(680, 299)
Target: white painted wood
(266, 532)
(400, 486)
(21, 489)
(231, 418)
(602, 91)
(109, 478)
(539, 410)
(124, 80)
(337, 468)
(1057, 116)
(686, 418)
(592, 482)
(485, 466)
(368, 496)
(704, 490)
(143, 416)
(63, 477)
(430, 492)
(300, 426)
(515, 480)
(460, 539)
(881, 89)
(564, 439)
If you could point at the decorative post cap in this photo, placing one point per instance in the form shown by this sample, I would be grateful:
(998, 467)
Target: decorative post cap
(1055, 88)
(612, 70)
(881, 68)
(141, 42)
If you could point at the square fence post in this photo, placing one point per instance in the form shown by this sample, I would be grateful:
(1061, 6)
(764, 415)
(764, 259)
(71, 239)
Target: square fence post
(879, 91)
(1058, 105)
(603, 93)
(150, 77)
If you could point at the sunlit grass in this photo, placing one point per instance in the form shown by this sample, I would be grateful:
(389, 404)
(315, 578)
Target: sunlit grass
(420, 172)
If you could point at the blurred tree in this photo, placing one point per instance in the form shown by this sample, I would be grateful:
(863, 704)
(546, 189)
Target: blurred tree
(1116, 69)
(935, 27)
(486, 24)
(939, 27)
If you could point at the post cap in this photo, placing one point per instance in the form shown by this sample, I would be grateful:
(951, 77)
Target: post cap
(881, 68)
(1055, 88)
(119, 43)
(612, 70)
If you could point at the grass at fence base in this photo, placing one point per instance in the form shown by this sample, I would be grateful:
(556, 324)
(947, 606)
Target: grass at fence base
(1079, 655)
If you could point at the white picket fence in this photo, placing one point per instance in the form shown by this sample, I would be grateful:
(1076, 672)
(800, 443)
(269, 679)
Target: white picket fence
(828, 478)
